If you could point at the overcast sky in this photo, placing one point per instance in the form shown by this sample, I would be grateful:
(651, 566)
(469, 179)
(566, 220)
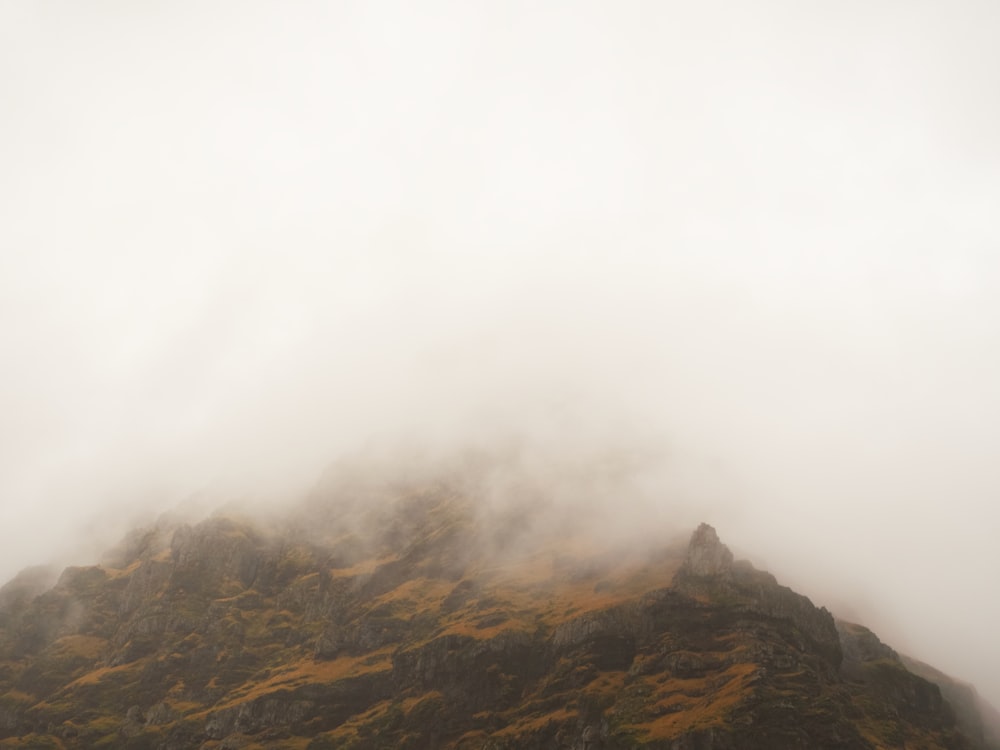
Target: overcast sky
(761, 239)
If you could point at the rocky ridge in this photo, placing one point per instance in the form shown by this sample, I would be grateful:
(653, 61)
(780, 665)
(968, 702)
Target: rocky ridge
(416, 627)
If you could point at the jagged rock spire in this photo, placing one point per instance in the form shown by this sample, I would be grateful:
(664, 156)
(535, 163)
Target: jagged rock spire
(706, 555)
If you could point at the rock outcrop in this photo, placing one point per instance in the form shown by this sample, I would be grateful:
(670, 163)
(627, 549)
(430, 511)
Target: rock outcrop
(226, 634)
(706, 555)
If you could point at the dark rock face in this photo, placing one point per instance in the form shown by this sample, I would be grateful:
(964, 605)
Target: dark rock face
(861, 646)
(709, 570)
(257, 715)
(222, 634)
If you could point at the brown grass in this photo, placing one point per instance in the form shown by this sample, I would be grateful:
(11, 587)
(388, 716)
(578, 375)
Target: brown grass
(706, 704)
(306, 671)
(83, 646)
(98, 675)
(419, 594)
(534, 723)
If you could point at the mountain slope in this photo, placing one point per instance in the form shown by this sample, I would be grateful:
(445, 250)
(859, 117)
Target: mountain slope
(413, 622)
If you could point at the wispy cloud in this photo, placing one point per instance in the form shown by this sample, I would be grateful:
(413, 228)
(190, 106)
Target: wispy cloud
(758, 242)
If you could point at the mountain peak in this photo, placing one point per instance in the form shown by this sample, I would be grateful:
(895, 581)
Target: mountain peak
(426, 626)
(706, 554)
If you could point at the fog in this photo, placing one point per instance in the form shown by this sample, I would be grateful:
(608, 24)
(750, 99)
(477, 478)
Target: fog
(750, 250)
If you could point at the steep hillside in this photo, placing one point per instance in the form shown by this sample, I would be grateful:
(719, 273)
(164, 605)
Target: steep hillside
(413, 622)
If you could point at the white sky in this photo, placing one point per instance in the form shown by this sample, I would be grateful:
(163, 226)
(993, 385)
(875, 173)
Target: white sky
(239, 239)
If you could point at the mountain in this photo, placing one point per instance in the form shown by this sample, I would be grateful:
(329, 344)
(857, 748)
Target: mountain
(403, 616)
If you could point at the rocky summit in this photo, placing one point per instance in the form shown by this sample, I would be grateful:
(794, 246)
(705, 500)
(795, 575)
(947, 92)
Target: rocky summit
(420, 621)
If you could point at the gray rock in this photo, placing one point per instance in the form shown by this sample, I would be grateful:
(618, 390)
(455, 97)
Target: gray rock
(706, 555)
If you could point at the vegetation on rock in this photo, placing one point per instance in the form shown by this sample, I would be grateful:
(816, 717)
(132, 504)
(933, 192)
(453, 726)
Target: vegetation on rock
(413, 623)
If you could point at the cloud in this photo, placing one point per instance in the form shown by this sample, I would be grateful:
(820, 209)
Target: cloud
(758, 243)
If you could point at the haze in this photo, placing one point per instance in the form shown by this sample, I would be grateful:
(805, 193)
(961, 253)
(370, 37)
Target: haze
(752, 248)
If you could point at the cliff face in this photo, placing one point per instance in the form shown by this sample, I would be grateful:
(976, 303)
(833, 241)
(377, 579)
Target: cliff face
(417, 626)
